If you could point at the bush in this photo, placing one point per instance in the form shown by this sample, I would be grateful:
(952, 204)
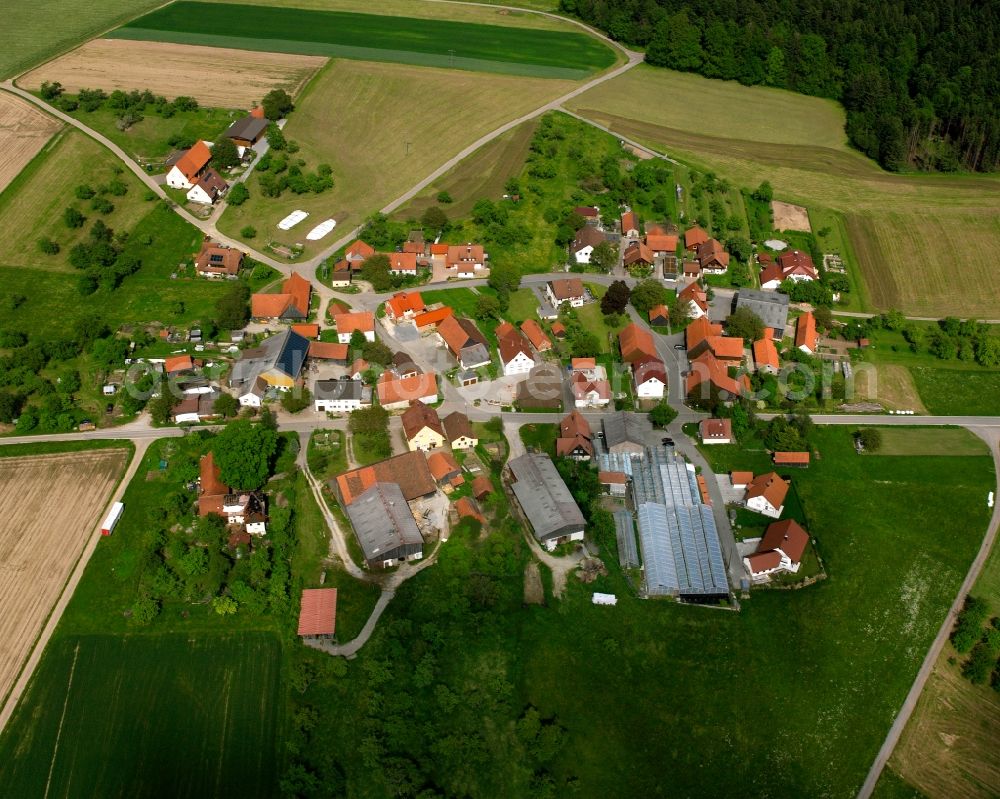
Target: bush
(102, 205)
(249, 232)
(444, 198)
(48, 246)
(979, 666)
(84, 192)
(968, 627)
(238, 194)
(73, 218)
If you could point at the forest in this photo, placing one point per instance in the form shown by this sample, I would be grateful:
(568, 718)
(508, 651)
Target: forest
(920, 81)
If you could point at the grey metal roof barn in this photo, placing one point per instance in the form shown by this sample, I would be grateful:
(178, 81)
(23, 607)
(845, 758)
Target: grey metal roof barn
(544, 497)
(384, 524)
(248, 128)
(681, 551)
(770, 306)
(623, 433)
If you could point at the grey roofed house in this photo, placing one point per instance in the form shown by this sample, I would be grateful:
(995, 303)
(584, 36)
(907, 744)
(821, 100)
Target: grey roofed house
(247, 129)
(339, 390)
(476, 355)
(544, 497)
(770, 306)
(384, 524)
(624, 434)
(282, 354)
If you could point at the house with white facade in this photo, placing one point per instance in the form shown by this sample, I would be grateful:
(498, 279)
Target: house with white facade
(515, 351)
(766, 495)
(340, 396)
(189, 167)
(567, 289)
(650, 377)
(780, 550)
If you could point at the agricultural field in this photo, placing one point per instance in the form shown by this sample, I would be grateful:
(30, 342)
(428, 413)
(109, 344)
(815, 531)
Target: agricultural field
(430, 9)
(376, 150)
(34, 32)
(347, 34)
(216, 77)
(148, 715)
(919, 240)
(24, 130)
(894, 548)
(51, 505)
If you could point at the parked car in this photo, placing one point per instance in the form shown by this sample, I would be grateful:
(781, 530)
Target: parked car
(678, 346)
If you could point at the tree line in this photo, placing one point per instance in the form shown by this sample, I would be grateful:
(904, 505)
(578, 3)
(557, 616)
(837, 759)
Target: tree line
(920, 81)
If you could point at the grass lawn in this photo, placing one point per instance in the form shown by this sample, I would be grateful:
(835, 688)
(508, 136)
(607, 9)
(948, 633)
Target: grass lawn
(540, 436)
(593, 320)
(894, 222)
(523, 305)
(694, 687)
(147, 140)
(376, 152)
(407, 40)
(164, 715)
(958, 391)
(929, 441)
(34, 32)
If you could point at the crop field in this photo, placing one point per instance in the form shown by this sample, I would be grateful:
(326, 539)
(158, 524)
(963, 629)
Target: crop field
(51, 505)
(377, 148)
(217, 77)
(919, 240)
(34, 32)
(165, 715)
(430, 9)
(23, 132)
(349, 34)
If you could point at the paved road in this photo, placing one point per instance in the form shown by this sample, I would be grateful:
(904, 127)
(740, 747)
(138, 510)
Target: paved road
(67, 593)
(990, 436)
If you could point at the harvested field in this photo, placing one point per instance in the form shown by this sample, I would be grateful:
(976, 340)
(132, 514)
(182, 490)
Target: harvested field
(219, 77)
(23, 132)
(892, 386)
(51, 505)
(949, 747)
(377, 149)
(790, 217)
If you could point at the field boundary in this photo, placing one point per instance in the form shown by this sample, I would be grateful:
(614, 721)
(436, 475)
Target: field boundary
(13, 697)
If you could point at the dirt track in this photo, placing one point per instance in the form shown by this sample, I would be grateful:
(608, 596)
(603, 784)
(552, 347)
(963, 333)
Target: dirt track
(50, 506)
(214, 76)
(23, 132)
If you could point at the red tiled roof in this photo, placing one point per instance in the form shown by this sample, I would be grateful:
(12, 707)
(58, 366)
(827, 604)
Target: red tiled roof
(660, 242)
(741, 478)
(699, 330)
(763, 561)
(798, 263)
(791, 458)
(707, 368)
(629, 222)
(712, 252)
(575, 425)
(637, 253)
(583, 363)
(482, 486)
(694, 236)
(565, 446)
(218, 259)
(693, 291)
(439, 249)
(359, 365)
(306, 330)
(765, 353)
(511, 344)
(359, 250)
(442, 464)
(194, 160)
(403, 261)
(300, 290)
(658, 312)
(710, 429)
(649, 369)
(786, 535)
(467, 510)
(566, 288)
(409, 471)
(769, 486)
(269, 306)
(636, 343)
(328, 350)
(432, 317)
(536, 335)
(612, 478)
(178, 363)
(582, 387)
(391, 391)
(805, 331)
(355, 320)
(726, 348)
(771, 271)
(464, 253)
(402, 303)
(211, 477)
(318, 613)
(558, 329)
(417, 417)
(586, 211)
